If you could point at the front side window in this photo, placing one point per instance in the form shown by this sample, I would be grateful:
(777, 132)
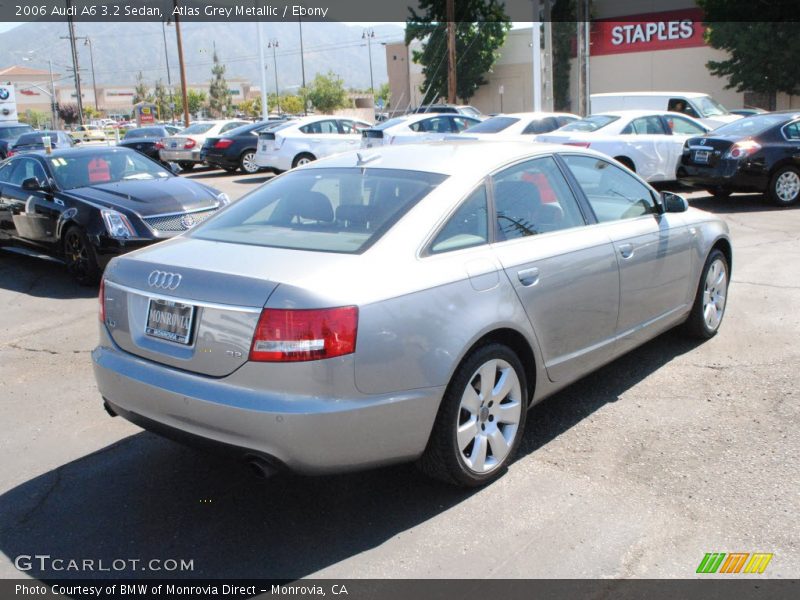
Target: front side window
(613, 193)
(25, 169)
(461, 123)
(533, 197)
(469, 225)
(432, 125)
(320, 127)
(681, 126)
(325, 209)
(650, 125)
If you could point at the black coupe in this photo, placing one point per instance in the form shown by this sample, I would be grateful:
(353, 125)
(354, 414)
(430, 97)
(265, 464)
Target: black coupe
(86, 205)
(755, 154)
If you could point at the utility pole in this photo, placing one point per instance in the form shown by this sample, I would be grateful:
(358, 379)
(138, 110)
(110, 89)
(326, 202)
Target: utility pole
(182, 65)
(274, 45)
(88, 42)
(169, 76)
(303, 67)
(368, 34)
(583, 57)
(451, 52)
(549, 94)
(262, 64)
(53, 101)
(77, 76)
(536, 47)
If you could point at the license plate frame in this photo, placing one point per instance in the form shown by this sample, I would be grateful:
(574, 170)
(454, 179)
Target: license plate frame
(178, 332)
(701, 156)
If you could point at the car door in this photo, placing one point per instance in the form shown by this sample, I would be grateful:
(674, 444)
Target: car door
(34, 214)
(681, 129)
(653, 249)
(351, 133)
(564, 273)
(7, 229)
(323, 138)
(652, 145)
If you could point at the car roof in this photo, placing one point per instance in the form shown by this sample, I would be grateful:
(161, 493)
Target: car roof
(83, 151)
(684, 94)
(451, 157)
(535, 115)
(632, 114)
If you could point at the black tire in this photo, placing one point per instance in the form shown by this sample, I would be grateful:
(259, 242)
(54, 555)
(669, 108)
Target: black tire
(719, 193)
(780, 193)
(443, 458)
(80, 256)
(243, 159)
(627, 162)
(303, 156)
(186, 166)
(231, 170)
(696, 324)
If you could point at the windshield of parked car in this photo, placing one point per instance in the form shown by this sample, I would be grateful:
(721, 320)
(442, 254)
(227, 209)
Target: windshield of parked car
(197, 129)
(590, 123)
(145, 132)
(390, 123)
(84, 169)
(9, 133)
(324, 209)
(748, 126)
(493, 125)
(27, 139)
(710, 107)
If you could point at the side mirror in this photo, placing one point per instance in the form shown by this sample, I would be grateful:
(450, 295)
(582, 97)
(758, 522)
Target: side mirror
(76, 141)
(674, 203)
(31, 185)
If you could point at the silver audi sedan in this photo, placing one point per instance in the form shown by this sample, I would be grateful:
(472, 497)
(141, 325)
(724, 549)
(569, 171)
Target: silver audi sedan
(408, 303)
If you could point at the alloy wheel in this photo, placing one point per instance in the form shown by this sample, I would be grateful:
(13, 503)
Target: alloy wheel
(489, 416)
(249, 163)
(715, 290)
(787, 186)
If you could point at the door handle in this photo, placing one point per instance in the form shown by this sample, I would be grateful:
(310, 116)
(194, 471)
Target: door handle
(626, 250)
(528, 277)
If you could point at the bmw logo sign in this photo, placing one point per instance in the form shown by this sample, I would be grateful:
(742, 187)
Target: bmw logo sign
(187, 221)
(4, 94)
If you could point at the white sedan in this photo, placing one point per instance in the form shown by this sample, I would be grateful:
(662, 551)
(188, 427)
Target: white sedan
(648, 142)
(518, 126)
(303, 140)
(421, 127)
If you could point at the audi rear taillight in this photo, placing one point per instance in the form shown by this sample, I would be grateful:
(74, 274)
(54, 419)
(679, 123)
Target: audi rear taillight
(222, 144)
(190, 143)
(578, 144)
(743, 149)
(102, 298)
(285, 335)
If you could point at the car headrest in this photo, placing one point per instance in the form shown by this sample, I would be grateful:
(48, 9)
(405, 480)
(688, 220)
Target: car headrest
(314, 206)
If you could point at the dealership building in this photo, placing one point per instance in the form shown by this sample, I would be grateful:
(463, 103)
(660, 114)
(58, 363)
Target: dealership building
(659, 48)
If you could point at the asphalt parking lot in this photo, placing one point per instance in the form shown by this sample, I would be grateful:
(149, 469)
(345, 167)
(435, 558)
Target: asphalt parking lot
(675, 450)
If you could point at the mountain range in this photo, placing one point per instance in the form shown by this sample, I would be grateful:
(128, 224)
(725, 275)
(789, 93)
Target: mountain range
(122, 50)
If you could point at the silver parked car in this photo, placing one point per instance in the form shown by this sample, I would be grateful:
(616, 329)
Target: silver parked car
(404, 304)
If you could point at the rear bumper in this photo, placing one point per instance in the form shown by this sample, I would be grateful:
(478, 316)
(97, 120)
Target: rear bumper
(273, 160)
(180, 155)
(219, 160)
(731, 175)
(307, 434)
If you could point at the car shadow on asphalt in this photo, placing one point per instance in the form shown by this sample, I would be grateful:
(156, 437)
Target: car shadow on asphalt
(255, 180)
(737, 203)
(145, 498)
(39, 277)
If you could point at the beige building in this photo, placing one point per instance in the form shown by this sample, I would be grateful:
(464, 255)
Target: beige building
(32, 86)
(659, 47)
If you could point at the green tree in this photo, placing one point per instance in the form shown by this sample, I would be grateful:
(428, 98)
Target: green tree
(35, 118)
(195, 99)
(140, 92)
(292, 104)
(250, 108)
(327, 92)
(219, 96)
(161, 99)
(762, 56)
(481, 28)
(384, 93)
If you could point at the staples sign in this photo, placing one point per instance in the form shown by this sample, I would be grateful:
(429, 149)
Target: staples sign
(646, 33)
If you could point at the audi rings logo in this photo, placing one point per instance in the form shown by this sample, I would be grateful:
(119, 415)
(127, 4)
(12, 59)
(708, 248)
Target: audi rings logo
(164, 280)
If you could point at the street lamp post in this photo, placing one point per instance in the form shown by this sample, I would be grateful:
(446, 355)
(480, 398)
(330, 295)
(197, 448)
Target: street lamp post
(274, 45)
(303, 66)
(169, 76)
(88, 42)
(369, 34)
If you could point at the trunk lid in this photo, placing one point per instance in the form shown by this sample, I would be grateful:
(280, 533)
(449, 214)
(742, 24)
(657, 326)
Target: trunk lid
(708, 151)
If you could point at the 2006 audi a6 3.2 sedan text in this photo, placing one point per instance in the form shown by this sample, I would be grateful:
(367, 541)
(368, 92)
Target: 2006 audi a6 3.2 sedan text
(405, 304)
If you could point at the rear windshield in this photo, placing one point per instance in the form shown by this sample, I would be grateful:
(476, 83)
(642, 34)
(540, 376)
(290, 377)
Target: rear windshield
(9, 133)
(342, 210)
(493, 125)
(197, 128)
(591, 123)
(751, 125)
(36, 137)
(145, 132)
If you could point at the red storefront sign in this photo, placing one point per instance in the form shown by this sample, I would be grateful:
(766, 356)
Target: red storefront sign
(649, 32)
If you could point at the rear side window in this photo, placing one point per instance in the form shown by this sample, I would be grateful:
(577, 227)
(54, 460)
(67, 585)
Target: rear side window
(590, 123)
(533, 197)
(432, 125)
(792, 131)
(545, 125)
(197, 129)
(613, 193)
(493, 125)
(650, 125)
(682, 126)
(469, 225)
(342, 210)
(320, 127)
(230, 126)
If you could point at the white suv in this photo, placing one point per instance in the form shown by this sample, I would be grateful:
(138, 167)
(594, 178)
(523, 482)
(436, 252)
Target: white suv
(308, 138)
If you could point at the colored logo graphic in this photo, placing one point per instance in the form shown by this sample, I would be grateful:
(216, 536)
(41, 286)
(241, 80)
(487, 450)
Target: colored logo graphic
(734, 562)
(4, 94)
